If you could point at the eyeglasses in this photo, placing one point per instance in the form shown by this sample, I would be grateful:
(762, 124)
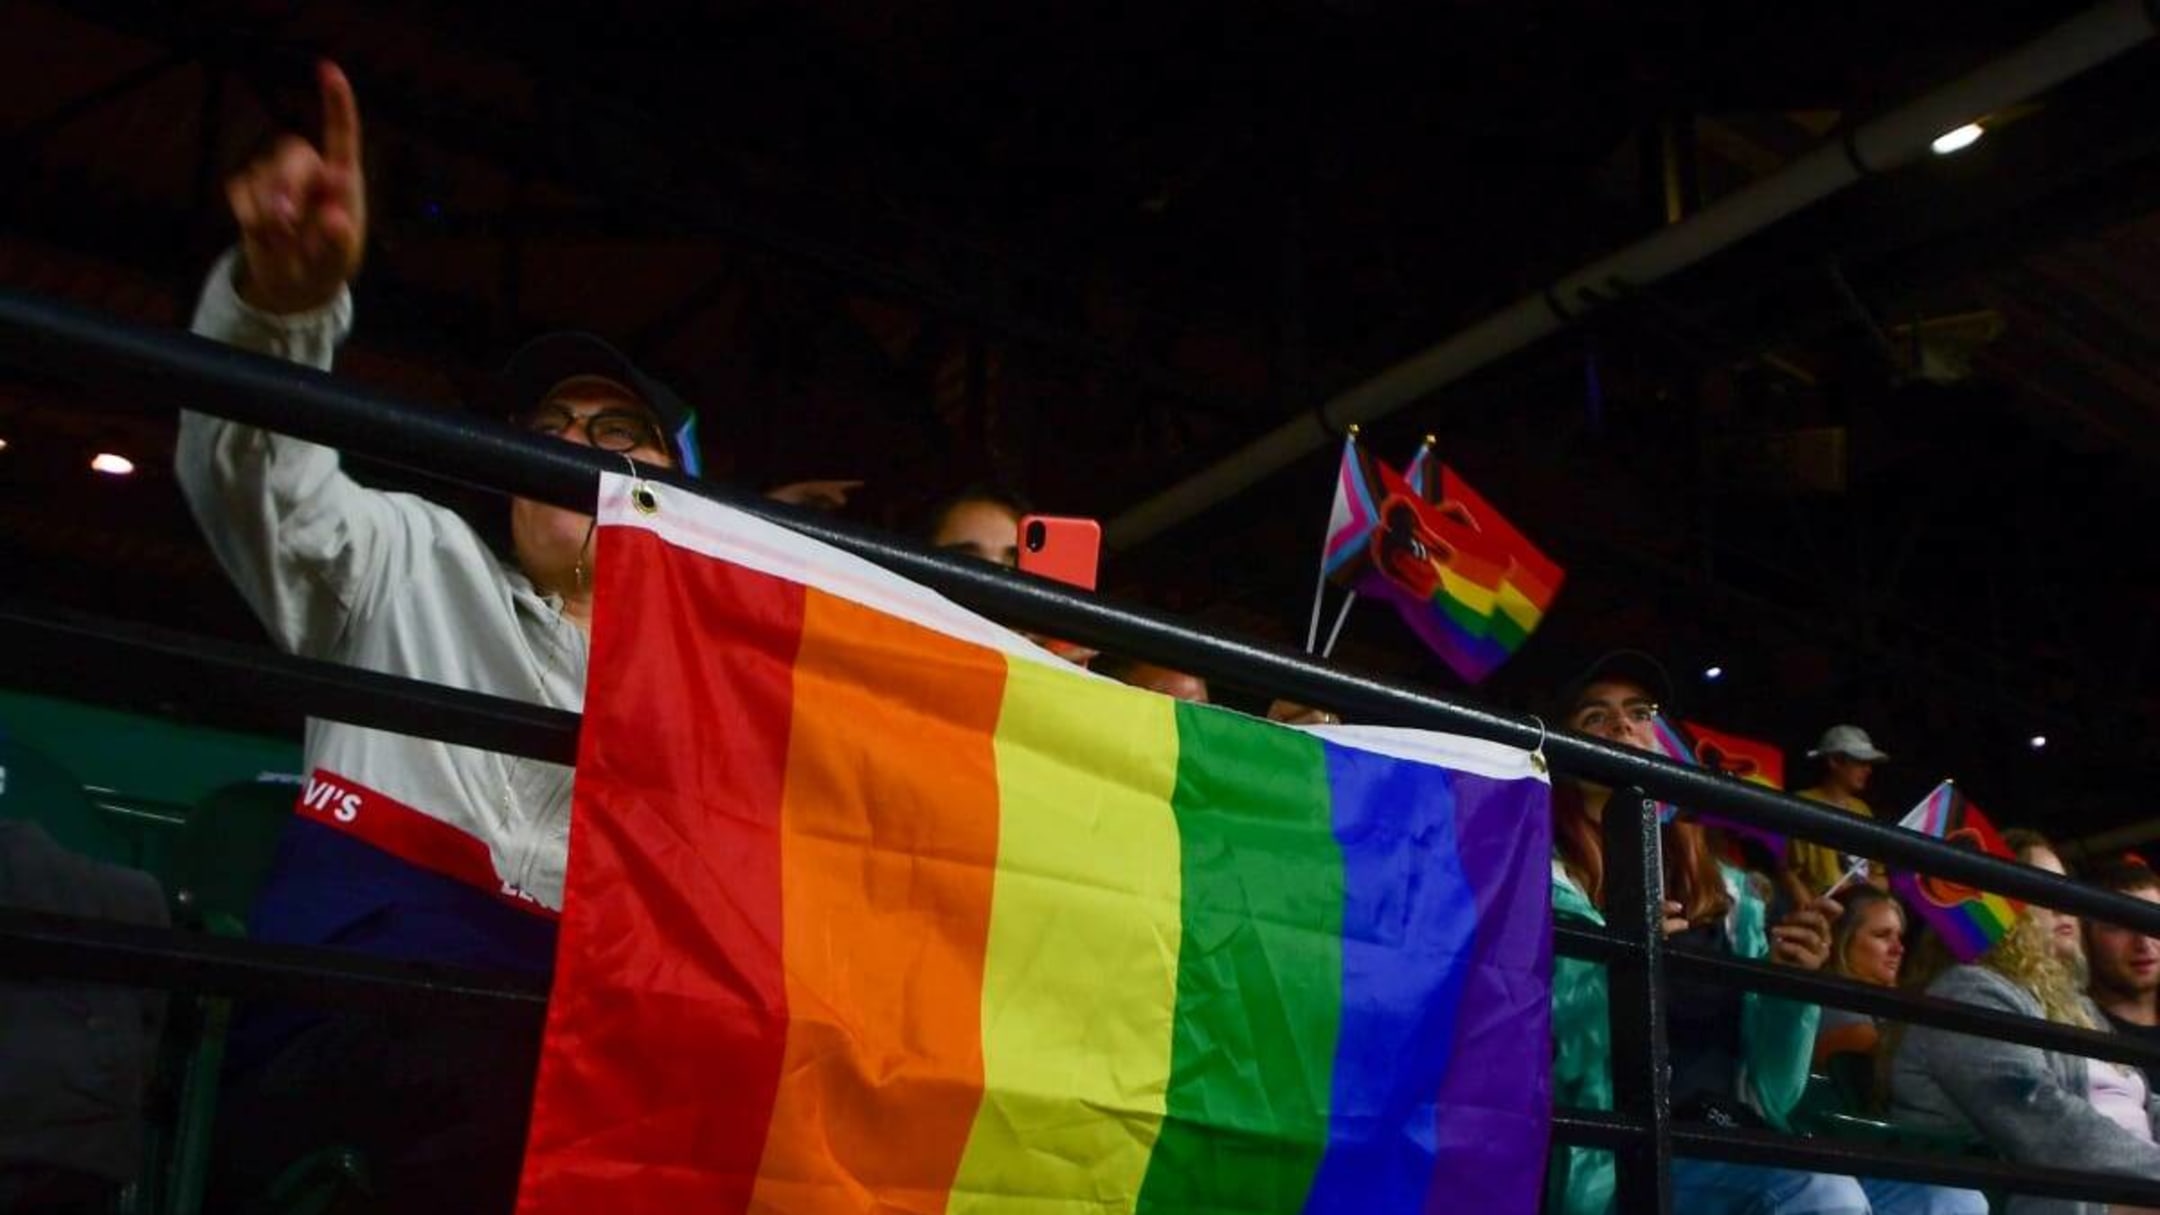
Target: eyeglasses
(608, 430)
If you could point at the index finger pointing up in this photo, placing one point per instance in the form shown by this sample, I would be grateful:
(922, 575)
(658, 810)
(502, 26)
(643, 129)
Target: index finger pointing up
(341, 118)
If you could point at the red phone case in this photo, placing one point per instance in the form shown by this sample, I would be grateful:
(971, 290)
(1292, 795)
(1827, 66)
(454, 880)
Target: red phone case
(1063, 548)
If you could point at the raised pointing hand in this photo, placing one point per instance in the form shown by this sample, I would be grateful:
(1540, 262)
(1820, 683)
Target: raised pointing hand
(303, 211)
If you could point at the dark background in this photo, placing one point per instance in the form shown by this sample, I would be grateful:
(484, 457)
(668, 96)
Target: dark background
(1890, 462)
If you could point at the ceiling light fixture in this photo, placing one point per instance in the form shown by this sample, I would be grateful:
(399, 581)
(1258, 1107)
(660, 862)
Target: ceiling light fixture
(112, 465)
(1958, 140)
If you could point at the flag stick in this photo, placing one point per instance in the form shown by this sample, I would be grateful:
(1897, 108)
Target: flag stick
(1336, 632)
(1859, 870)
(1319, 591)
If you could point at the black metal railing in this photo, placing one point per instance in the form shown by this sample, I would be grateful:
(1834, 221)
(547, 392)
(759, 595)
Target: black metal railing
(154, 365)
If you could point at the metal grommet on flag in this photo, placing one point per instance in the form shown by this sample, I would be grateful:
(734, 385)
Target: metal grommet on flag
(1537, 753)
(643, 497)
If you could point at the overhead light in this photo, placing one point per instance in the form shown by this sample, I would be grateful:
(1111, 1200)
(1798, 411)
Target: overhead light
(1957, 140)
(112, 465)
(1713, 674)
(3, 444)
(2038, 742)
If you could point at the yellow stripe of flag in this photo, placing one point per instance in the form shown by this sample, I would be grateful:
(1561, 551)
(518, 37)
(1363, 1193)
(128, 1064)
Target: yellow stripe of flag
(1080, 982)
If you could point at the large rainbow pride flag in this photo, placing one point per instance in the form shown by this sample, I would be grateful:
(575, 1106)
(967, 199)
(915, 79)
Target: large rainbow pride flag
(1968, 919)
(875, 907)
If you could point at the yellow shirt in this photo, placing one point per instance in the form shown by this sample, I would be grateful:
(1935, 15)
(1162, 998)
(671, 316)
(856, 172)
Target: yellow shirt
(1818, 865)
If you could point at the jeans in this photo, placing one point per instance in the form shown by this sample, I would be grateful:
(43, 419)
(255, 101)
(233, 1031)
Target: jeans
(1702, 1187)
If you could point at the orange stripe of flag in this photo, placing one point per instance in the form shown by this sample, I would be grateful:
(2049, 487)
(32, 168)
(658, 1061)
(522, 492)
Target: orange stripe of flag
(889, 842)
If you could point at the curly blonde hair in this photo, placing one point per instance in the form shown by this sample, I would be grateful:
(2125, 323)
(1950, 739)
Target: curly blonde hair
(2025, 956)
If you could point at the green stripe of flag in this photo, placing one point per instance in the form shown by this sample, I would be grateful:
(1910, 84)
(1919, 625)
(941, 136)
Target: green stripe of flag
(1259, 986)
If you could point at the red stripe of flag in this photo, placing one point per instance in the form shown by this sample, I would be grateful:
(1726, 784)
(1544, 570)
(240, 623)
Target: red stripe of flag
(675, 836)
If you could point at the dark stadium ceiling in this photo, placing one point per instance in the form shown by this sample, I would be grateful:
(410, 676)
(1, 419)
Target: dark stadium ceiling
(1891, 461)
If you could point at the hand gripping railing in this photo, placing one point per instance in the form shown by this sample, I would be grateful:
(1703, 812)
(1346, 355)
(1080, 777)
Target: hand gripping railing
(126, 361)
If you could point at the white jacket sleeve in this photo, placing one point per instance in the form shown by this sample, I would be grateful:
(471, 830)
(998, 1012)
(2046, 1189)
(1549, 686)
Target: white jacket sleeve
(306, 545)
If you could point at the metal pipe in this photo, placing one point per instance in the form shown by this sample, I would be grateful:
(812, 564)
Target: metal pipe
(1854, 1157)
(1635, 1007)
(1814, 987)
(1857, 1157)
(1589, 944)
(2084, 41)
(68, 948)
(135, 955)
(75, 650)
(157, 364)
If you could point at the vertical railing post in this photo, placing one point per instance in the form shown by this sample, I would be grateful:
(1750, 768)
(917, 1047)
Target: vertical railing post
(1642, 1078)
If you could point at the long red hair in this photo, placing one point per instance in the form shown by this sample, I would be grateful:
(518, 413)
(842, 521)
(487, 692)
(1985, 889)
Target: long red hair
(1692, 877)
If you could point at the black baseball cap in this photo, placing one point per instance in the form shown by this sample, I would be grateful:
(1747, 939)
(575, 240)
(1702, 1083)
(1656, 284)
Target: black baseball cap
(546, 362)
(1634, 666)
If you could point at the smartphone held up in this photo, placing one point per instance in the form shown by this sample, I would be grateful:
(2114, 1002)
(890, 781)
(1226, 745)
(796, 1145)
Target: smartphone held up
(1067, 550)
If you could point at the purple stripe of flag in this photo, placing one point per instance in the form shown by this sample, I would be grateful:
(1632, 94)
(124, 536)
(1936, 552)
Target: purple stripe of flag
(1492, 1127)
(1441, 1094)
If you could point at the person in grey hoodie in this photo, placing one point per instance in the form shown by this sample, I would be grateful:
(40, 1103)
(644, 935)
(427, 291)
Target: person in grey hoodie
(399, 846)
(2029, 1105)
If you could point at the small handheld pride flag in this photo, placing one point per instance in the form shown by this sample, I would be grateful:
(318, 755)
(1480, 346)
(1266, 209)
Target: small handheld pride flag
(1673, 745)
(1352, 518)
(1701, 747)
(1969, 921)
(1465, 580)
(1471, 586)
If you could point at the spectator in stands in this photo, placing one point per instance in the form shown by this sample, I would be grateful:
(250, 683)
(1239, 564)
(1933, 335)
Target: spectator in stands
(1868, 947)
(1738, 1058)
(1176, 685)
(2059, 927)
(400, 846)
(76, 1059)
(2029, 1105)
(1848, 757)
(981, 522)
(2125, 963)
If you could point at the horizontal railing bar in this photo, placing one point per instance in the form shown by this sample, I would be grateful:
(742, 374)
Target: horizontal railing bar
(35, 944)
(1858, 1159)
(1590, 944)
(1578, 940)
(1601, 1129)
(157, 364)
(1912, 1008)
(100, 952)
(68, 948)
(1605, 1130)
(70, 645)
(97, 951)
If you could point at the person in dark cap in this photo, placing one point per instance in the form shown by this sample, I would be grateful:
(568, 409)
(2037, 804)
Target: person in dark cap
(399, 846)
(1738, 1058)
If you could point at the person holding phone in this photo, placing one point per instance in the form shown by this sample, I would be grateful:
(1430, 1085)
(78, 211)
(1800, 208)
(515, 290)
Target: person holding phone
(980, 521)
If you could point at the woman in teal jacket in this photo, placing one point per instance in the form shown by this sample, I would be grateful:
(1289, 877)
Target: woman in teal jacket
(1738, 1058)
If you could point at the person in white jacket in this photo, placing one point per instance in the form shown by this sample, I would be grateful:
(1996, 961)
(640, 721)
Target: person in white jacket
(399, 846)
